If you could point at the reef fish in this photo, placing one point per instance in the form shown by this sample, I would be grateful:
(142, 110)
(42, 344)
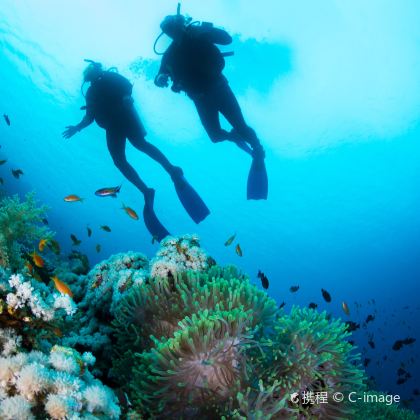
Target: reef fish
(264, 280)
(7, 119)
(37, 259)
(399, 343)
(108, 191)
(42, 243)
(89, 231)
(282, 305)
(72, 198)
(312, 305)
(106, 228)
(230, 240)
(326, 295)
(74, 239)
(54, 245)
(3, 161)
(238, 250)
(130, 212)
(345, 308)
(294, 289)
(98, 248)
(61, 286)
(17, 173)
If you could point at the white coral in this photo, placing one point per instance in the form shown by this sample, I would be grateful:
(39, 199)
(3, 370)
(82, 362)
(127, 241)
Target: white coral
(14, 408)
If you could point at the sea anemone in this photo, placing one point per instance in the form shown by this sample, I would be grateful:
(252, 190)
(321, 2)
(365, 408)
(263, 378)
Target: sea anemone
(201, 367)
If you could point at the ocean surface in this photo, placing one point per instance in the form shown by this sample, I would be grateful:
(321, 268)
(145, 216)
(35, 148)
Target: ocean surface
(333, 92)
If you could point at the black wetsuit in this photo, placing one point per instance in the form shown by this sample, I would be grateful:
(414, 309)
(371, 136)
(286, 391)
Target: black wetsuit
(195, 66)
(109, 102)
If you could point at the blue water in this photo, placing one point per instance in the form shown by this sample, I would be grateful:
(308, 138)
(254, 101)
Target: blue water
(333, 91)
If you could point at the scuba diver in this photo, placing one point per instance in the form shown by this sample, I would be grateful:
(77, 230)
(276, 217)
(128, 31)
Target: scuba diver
(195, 65)
(110, 104)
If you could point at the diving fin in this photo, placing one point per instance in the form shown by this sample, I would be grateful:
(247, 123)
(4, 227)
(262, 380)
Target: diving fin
(192, 202)
(257, 188)
(156, 229)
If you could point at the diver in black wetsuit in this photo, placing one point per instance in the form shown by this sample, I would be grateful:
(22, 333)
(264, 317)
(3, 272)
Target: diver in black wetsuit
(195, 66)
(109, 103)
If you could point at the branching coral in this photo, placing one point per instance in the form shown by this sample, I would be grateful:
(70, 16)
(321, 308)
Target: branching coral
(56, 385)
(100, 291)
(20, 227)
(32, 309)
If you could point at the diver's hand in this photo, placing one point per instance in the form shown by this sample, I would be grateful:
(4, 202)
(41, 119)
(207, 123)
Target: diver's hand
(70, 131)
(161, 80)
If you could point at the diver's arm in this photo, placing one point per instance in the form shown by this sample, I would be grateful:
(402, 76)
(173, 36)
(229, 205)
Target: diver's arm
(71, 130)
(86, 121)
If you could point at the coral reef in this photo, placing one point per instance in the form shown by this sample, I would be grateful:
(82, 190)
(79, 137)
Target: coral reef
(57, 385)
(374, 410)
(33, 310)
(20, 227)
(178, 254)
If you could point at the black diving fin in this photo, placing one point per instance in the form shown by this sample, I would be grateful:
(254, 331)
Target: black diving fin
(192, 202)
(153, 225)
(257, 187)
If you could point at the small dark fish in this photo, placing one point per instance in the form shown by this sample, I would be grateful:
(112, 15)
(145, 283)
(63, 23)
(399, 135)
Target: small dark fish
(238, 250)
(1, 181)
(282, 305)
(366, 361)
(106, 228)
(401, 381)
(45, 221)
(370, 318)
(264, 279)
(351, 342)
(416, 392)
(352, 326)
(3, 161)
(7, 119)
(294, 289)
(76, 241)
(98, 248)
(371, 344)
(326, 295)
(17, 173)
(89, 231)
(399, 343)
(230, 240)
(313, 305)
(401, 371)
(108, 191)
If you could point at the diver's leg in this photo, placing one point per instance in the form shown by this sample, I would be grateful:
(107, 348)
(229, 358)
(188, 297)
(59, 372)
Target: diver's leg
(140, 143)
(116, 146)
(209, 117)
(229, 107)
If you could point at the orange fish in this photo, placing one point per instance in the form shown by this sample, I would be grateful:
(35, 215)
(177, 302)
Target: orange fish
(130, 212)
(238, 250)
(28, 265)
(37, 259)
(61, 286)
(72, 198)
(345, 308)
(42, 244)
